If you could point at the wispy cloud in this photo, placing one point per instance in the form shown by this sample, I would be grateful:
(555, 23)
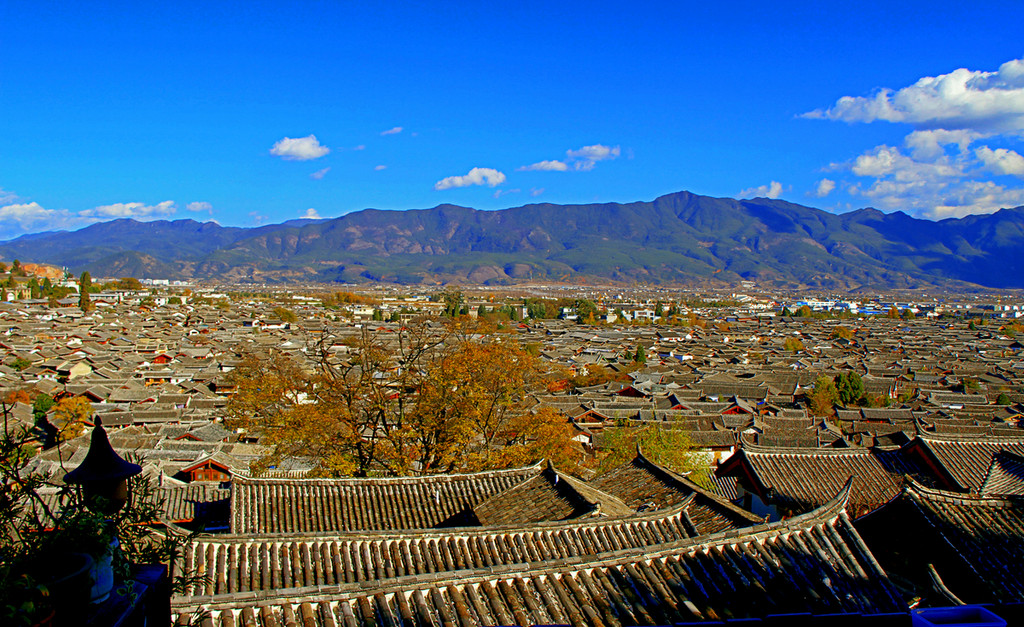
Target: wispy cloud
(299, 148)
(312, 214)
(392, 131)
(134, 210)
(536, 191)
(546, 166)
(505, 192)
(319, 174)
(200, 206)
(380, 167)
(585, 158)
(825, 187)
(476, 176)
(772, 190)
(19, 218)
(582, 159)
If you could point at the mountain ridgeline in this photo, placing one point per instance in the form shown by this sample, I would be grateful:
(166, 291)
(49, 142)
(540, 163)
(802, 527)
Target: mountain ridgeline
(679, 238)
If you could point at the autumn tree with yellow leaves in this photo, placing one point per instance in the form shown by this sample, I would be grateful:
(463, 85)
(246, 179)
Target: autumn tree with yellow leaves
(70, 415)
(419, 399)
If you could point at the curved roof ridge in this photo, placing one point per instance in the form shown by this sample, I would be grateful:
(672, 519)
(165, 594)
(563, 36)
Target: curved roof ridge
(750, 447)
(533, 468)
(917, 490)
(952, 437)
(548, 525)
(695, 487)
(826, 514)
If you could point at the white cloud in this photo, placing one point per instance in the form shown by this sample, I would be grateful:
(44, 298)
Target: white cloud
(200, 206)
(130, 210)
(937, 188)
(886, 161)
(7, 197)
(505, 192)
(312, 214)
(585, 158)
(256, 217)
(931, 144)
(972, 197)
(299, 148)
(963, 99)
(476, 176)
(772, 190)
(19, 218)
(536, 191)
(597, 152)
(28, 217)
(380, 167)
(392, 131)
(1001, 160)
(546, 166)
(938, 175)
(359, 147)
(581, 160)
(825, 187)
(319, 174)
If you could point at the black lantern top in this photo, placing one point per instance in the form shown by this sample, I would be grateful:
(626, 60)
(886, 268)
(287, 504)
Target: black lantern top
(101, 463)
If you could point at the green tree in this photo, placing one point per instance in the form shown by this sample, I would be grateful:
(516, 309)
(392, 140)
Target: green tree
(584, 309)
(481, 311)
(284, 314)
(793, 344)
(849, 387)
(667, 447)
(823, 397)
(378, 314)
(84, 285)
(659, 309)
(841, 332)
(1003, 399)
(41, 405)
(453, 300)
(641, 355)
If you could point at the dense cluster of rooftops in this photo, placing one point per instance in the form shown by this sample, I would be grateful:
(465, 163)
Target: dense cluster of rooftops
(868, 512)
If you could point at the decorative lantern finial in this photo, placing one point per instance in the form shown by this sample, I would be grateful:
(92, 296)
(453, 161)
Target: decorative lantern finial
(103, 474)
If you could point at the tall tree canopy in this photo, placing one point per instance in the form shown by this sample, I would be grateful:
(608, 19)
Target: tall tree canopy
(419, 399)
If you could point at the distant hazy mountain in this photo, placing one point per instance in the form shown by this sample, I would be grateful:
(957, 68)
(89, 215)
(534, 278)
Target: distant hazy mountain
(678, 238)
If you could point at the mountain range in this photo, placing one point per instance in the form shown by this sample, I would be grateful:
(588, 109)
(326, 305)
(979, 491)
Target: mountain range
(679, 238)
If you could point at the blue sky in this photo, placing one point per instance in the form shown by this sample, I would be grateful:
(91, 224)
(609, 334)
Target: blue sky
(259, 112)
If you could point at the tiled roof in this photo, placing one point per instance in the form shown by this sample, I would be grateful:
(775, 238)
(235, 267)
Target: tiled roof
(321, 505)
(1005, 475)
(811, 563)
(986, 532)
(247, 563)
(547, 496)
(802, 479)
(642, 484)
(967, 461)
